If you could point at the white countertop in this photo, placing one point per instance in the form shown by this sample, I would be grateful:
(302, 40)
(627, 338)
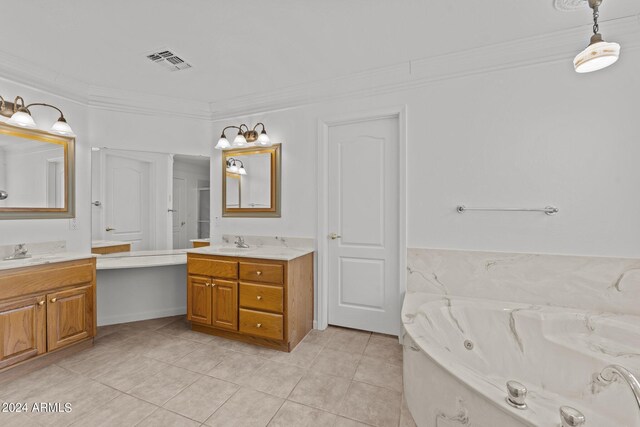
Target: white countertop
(107, 243)
(264, 252)
(200, 240)
(141, 259)
(42, 259)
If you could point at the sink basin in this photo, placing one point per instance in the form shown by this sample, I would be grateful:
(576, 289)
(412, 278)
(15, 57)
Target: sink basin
(232, 249)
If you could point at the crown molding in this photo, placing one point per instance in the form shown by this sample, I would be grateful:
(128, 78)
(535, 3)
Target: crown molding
(129, 102)
(554, 47)
(547, 48)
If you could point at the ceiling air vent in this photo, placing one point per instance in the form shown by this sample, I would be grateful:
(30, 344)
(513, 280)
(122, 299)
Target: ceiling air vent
(169, 60)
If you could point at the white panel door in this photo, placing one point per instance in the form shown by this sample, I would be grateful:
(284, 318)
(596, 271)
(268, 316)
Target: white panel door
(363, 196)
(127, 199)
(179, 213)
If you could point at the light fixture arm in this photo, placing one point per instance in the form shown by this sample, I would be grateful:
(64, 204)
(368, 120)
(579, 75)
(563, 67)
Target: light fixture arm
(230, 127)
(259, 124)
(41, 104)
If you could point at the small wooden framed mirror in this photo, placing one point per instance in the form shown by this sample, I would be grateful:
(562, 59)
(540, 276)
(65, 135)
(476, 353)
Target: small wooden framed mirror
(37, 174)
(251, 182)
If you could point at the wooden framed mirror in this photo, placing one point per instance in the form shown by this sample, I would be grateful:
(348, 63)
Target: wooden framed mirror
(251, 182)
(37, 174)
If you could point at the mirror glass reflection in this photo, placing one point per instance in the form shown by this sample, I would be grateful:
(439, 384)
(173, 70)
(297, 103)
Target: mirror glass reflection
(144, 201)
(249, 181)
(32, 173)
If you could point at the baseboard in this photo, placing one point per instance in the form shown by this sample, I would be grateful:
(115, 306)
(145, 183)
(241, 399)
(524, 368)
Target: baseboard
(134, 317)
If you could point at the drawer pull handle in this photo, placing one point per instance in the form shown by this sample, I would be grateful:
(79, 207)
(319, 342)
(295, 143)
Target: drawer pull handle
(259, 273)
(54, 299)
(259, 325)
(41, 303)
(259, 297)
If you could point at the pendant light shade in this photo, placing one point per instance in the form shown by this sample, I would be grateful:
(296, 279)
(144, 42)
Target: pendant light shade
(242, 170)
(240, 140)
(62, 127)
(598, 55)
(264, 139)
(23, 119)
(222, 144)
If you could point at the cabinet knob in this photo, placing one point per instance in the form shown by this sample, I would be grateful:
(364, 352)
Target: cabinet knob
(259, 325)
(259, 273)
(207, 284)
(213, 285)
(54, 299)
(41, 303)
(259, 297)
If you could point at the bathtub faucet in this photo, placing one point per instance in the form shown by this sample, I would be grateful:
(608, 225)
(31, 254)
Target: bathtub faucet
(516, 394)
(609, 374)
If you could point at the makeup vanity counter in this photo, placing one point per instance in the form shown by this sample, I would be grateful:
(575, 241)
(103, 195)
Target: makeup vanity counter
(142, 259)
(262, 295)
(48, 309)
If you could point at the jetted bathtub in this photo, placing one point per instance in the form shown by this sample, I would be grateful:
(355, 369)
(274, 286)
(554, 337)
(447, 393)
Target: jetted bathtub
(459, 353)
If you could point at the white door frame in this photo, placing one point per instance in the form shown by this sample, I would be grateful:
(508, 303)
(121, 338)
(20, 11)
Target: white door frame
(324, 124)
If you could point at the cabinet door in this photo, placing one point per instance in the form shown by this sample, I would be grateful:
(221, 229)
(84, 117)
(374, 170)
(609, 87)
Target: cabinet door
(199, 299)
(69, 316)
(225, 304)
(23, 331)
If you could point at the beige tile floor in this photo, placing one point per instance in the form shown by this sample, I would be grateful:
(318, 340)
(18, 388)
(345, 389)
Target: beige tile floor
(159, 373)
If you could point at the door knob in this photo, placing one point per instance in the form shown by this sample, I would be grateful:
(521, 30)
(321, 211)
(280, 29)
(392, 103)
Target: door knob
(334, 236)
(109, 229)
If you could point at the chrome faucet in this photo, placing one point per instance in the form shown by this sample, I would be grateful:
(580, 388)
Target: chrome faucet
(19, 252)
(609, 374)
(240, 242)
(571, 417)
(516, 394)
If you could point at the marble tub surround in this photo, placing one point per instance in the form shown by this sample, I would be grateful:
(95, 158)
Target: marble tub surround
(590, 283)
(281, 253)
(276, 241)
(37, 248)
(472, 347)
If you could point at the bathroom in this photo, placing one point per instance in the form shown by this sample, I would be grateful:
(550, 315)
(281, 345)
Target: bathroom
(272, 213)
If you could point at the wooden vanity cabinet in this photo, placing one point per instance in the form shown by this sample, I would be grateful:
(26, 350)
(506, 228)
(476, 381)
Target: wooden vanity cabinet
(264, 302)
(45, 309)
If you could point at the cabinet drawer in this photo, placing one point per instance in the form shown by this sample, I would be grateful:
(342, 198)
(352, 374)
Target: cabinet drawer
(212, 267)
(266, 325)
(267, 273)
(261, 297)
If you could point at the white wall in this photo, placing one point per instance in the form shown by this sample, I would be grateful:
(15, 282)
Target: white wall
(519, 137)
(29, 231)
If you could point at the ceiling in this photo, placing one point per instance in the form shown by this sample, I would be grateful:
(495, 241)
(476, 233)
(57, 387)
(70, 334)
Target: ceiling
(250, 46)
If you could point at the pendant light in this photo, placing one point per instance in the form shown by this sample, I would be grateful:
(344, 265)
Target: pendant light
(599, 54)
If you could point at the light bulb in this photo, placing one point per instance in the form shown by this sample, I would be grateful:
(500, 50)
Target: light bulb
(239, 141)
(598, 55)
(61, 127)
(264, 139)
(222, 143)
(22, 119)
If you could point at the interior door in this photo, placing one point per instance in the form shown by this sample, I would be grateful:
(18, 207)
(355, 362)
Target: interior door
(69, 316)
(363, 250)
(179, 213)
(127, 200)
(23, 331)
(225, 304)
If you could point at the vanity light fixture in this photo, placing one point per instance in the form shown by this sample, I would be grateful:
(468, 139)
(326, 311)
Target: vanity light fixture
(232, 166)
(244, 137)
(20, 115)
(599, 54)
